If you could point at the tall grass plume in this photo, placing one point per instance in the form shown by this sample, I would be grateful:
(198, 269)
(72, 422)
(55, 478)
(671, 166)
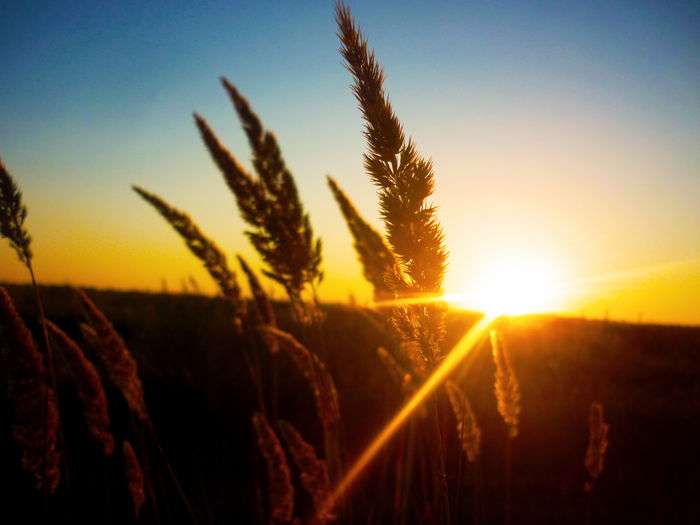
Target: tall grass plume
(90, 389)
(279, 478)
(506, 386)
(134, 478)
(202, 247)
(36, 417)
(377, 259)
(468, 429)
(404, 181)
(597, 444)
(313, 471)
(115, 358)
(281, 230)
(13, 213)
(316, 374)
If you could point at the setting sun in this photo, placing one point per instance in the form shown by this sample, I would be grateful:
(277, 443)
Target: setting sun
(515, 284)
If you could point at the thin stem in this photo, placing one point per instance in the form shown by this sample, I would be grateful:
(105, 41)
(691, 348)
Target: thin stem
(52, 377)
(588, 515)
(154, 437)
(476, 468)
(441, 475)
(507, 517)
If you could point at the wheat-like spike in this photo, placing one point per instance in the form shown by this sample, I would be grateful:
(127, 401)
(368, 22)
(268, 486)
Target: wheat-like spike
(404, 179)
(134, 478)
(281, 230)
(263, 305)
(468, 429)
(12, 216)
(316, 374)
(90, 389)
(313, 471)
(201, 246)
(267, 157)
(378, 261)
(597, 444)
(279, 477)
(115, 358)
(406, 323)
(36, 417)
(506, 385)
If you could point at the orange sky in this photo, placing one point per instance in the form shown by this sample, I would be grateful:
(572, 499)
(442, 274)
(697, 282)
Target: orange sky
(555, 138)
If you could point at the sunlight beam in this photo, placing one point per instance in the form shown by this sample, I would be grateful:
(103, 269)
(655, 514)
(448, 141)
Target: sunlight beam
(453, 358)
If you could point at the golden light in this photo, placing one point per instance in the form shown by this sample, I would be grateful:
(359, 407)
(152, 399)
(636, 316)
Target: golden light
(513, 284)
(461, 351)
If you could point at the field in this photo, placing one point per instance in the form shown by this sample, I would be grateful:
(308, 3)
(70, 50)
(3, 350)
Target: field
(200, 399)
(451, 391)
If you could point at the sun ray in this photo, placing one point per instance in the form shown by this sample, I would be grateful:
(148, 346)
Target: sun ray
(453, 358)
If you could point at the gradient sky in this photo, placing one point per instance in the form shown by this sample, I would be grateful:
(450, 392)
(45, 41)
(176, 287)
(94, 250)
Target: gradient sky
(565, 131)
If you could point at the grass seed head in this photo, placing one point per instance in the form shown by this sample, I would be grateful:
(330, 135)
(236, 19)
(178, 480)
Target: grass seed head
(114, 356)
(13, 213)
(313, 471)
(468, 429)
(506, 385)
(90, 389)
(597, 444)
(279, 478)
(134, 478)
(36, 417)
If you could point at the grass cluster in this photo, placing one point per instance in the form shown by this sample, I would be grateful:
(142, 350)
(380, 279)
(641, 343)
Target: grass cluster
(301, 461)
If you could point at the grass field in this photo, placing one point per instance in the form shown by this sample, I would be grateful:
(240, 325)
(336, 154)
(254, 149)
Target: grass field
(132, 407)
(200, 398)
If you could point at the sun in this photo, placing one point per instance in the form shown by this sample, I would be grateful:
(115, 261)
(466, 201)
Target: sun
(514, 284)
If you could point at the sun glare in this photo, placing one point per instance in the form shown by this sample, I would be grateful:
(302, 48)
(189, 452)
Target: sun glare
(514, 285)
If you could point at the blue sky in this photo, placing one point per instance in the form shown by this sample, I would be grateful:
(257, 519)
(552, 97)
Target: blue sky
(572, 124)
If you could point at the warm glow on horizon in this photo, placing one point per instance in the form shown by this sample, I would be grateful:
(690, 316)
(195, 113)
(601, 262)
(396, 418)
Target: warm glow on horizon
(513, 284)
(566, 170)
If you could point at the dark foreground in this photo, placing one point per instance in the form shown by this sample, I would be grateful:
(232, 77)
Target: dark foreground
(200, 398)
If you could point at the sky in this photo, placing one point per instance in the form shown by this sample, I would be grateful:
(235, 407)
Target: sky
(564, 136)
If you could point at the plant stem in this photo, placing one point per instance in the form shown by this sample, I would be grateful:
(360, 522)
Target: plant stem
(507, 518)
(52, 378)
(441, 497)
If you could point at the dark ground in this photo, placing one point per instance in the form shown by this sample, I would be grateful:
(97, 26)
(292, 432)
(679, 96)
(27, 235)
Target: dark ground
(200, 398)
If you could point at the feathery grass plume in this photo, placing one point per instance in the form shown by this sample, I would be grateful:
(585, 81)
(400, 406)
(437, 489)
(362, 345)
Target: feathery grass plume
(506, 385)
(202, 247)
(405, 181)
(280, 229)
(597, 444)
(134, 478)
(313, 471)
(405, 325)
(467, 427)
(279, 478)
(115, 357)
(36, 419)
(263, 306)
(12, 216)
(378, 261)
(316, 374)
(90, 389)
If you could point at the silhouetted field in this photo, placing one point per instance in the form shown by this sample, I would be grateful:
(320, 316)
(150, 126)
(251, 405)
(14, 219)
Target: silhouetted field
(200, 397)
